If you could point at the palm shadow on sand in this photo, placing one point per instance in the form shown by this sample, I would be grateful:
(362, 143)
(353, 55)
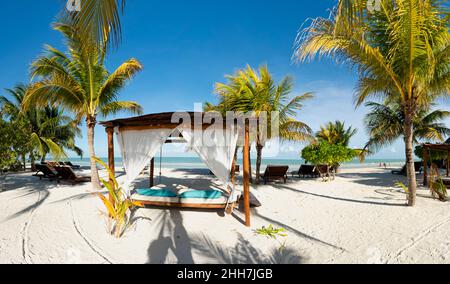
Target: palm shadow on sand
(175, 245)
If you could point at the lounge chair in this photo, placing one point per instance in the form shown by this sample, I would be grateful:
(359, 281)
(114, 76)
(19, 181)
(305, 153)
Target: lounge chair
(418, 166)
(66, 173)
(324, 171)
(274, 173)
(306, 171)
(45, 171)
(75, 167)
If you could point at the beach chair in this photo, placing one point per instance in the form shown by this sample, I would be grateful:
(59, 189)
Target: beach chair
(323, 171)
(66, 173)
(75, 167)
(305, 171)
(418, 166)
(274, 173)
(45, 171)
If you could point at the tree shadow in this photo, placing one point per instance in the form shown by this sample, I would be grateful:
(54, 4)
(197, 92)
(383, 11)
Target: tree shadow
(30, 186)
(173, 237)
(345, 199)
(297, 232)
(243, 253)
(385, 179)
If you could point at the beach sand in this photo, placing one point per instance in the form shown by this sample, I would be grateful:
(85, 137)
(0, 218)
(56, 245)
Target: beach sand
(358, 218)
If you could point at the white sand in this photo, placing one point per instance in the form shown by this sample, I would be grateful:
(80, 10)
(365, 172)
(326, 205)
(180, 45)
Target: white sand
(359, 218)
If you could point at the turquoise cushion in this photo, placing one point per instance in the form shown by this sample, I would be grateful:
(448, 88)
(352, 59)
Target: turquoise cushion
(156, 192)
(203, 194)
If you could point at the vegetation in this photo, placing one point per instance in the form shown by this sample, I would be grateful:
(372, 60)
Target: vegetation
(404, 188)
(385, 124)
(100, 18)
(400, 49)
(38, 131)
(255, 91)
(272, 232)
(80, 82)
(336, 133)
(118, 206)
(437, 186)
(7, 155)
(332, 155)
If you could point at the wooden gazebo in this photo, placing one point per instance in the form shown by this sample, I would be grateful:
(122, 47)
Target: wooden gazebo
(166, 121)
(427, 148)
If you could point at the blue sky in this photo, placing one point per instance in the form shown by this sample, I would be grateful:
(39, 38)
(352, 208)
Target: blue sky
(187, 46)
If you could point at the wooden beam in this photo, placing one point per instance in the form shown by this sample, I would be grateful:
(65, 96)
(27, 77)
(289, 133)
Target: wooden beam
(111, 161)
(164, 126)
(246, 165)
(152, 173)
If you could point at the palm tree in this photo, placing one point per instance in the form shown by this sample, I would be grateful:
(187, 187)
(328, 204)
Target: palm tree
(80, 81)
(100, 18)
(61, 129)
(46, 131)
(401, 50)
(336, 133)
(385, 124)
(255, 91)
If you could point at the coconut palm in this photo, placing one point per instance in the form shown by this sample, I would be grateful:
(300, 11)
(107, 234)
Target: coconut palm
(385, 124)
(255, 91)
(401, 49)
(81, 83)
(100, 18)
(336, 133)
(43, 130)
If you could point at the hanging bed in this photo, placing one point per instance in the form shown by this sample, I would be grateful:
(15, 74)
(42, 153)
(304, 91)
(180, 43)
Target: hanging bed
(140, 138)
(190, 198)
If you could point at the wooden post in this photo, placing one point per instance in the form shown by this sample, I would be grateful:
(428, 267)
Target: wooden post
(425, 166)
(152, 173)
(246, 165)
(111, 162)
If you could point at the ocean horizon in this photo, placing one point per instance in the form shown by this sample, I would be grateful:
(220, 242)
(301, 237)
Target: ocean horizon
(195, 162)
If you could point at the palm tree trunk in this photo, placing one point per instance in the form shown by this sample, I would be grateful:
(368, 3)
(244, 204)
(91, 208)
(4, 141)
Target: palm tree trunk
(259, 149)
(24, 162)
(33, 162)
(411, 172)
(44, 157)
(91, 135)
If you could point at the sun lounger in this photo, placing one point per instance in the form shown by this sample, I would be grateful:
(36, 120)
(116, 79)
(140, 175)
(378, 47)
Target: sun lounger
(306, 171)
(75, 167)
(66, 173)
(274, 173)
(45, 171)
(418, 166)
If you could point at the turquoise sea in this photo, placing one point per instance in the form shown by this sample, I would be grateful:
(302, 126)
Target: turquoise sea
(194, 162)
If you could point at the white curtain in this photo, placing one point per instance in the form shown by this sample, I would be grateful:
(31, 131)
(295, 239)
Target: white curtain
(138, 147)
(215, 147)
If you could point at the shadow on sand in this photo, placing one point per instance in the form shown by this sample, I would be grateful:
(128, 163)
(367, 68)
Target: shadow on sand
(174, 245)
